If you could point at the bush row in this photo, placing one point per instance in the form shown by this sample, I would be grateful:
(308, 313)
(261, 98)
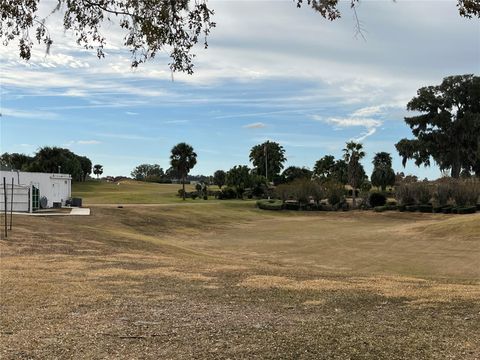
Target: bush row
(460, 193)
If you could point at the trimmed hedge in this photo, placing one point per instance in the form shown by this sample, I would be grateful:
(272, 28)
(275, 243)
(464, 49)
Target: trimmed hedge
(425, 208)
(385, 208)
(270, 204)
(291, 205)
(377, 199)
(447, 209)
(466, 210)
(411, 208)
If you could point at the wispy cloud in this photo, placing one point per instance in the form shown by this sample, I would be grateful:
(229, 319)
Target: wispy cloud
(88, 142)
(353, 122)
(28, 114)
(368, 111)
(369, 124)
(82, 142)
(257, 125)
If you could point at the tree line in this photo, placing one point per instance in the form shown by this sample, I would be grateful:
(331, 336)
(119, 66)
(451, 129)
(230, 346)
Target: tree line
(52, 160)
(446, 130)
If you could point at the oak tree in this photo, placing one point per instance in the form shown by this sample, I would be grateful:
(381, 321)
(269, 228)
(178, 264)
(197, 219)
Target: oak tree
(447, 129)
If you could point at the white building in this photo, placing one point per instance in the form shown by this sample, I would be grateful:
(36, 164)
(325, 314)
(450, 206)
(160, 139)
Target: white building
(30, 187)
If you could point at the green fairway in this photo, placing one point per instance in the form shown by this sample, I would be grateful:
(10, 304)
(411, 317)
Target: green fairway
(127, 192)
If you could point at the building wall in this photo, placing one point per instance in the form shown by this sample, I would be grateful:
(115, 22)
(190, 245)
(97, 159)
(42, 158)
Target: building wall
(55, 187)
(21, 197)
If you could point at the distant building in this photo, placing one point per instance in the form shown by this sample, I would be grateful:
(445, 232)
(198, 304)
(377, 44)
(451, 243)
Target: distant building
(30, 187)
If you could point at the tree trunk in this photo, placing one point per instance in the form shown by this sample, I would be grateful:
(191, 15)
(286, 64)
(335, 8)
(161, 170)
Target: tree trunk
(183, 187)
(354, 197)
(455, 172)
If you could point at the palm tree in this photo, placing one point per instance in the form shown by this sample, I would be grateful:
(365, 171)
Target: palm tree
(352, 154)
(183, 159)
(383, 173)
(98, 170)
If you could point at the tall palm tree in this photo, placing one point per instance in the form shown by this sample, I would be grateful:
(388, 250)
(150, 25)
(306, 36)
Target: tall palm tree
(183, 159)
(383, 173)
(98, 170)
(352, 154)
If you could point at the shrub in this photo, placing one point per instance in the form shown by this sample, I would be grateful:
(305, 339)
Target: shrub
(291, 205)
(425, 208)
(466, 193)
(377, 199)
(343, 205)
(422, 193)
(302, 190)
(443, 192)
(227, 193)
(270, 204)
(335, 193)
(363, 203)
(447, 209)
(466, 210)
(366, 186)
(411, 208)
(405, 194)
(385, 208)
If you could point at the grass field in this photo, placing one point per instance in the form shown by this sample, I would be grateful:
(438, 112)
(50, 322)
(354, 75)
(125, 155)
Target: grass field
(218, 280)
(127, 192)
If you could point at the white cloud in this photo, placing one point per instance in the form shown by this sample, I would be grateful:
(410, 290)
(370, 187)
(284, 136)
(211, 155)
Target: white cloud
(368, 111)
(369, 124)
(257, 125)
(88, 142)
(366, 134)
(82, 142)
(352, 122)
(28, 114)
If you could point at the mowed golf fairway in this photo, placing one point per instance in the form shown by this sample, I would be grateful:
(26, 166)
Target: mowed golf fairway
(164, 279)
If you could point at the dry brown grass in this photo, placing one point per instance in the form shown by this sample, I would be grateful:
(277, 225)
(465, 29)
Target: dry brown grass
(230, 281)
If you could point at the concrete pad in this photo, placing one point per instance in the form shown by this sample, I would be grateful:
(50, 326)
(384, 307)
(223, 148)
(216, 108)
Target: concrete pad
(73, 212)
(80, 211)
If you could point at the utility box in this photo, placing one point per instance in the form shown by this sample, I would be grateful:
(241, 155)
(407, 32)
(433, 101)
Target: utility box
(76, 202)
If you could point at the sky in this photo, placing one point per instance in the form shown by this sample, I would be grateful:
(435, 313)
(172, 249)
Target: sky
(271, 72)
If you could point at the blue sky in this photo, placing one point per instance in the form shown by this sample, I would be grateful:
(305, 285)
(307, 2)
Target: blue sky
(272, 71)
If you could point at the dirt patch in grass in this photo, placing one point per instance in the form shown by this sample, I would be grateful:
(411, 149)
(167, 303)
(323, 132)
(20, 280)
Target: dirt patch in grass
(419, 290)
(159, 271)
